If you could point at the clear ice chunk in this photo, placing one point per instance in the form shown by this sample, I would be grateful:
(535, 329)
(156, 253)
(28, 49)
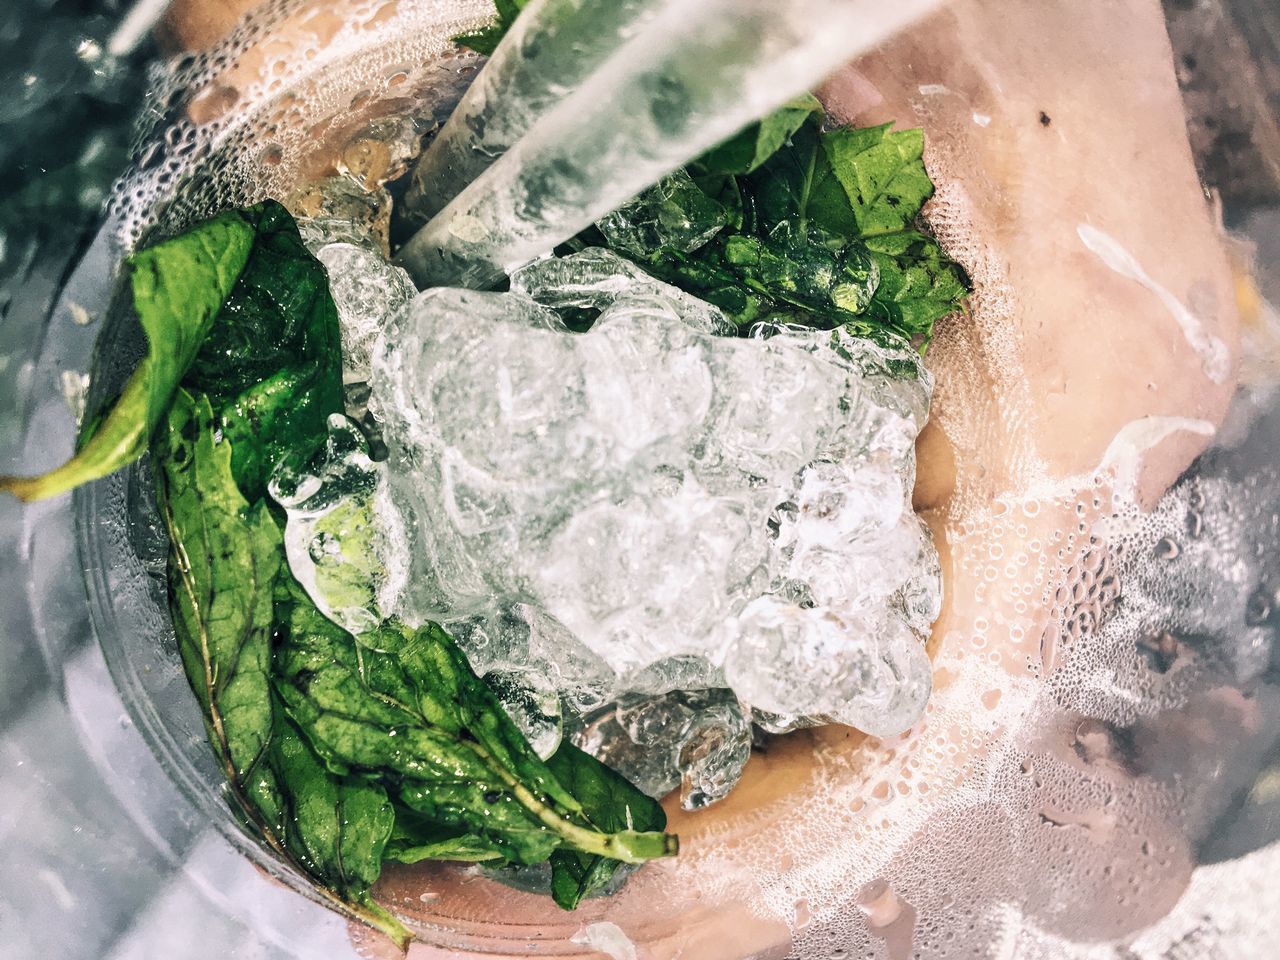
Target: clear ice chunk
(595, 278)
(521, 638)
(869, 672)
(674, 213)
(532, 701)
(644, 507)
(697, 740)
(342, 536)
(367, 290)
(342, 210)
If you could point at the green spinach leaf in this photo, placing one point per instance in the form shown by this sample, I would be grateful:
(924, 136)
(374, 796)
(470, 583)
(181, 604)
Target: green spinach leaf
(278, 315)
(223, 562)
(234, 306)
(417, 838)
(883, 175)
(336, 827)
(486, 39)
(407, 703)
(272, 419)
(225, 573)
(918, 283)
(752, 146)
(177, 289)
(792, 223)
(611, 803)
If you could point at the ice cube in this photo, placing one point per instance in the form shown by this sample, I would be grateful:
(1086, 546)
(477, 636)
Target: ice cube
(341, 210)
(639, 506)
(595, 278)
(698, 740)
(675, 213)
(343, 537)
(532, 701)
(866, 670)
(367, 291)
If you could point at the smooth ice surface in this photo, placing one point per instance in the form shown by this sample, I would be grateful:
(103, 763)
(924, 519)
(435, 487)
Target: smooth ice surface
(549, 50)
(648, 507)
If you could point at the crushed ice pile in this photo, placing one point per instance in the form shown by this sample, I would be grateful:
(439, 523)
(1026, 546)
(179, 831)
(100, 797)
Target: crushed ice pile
(647, 535)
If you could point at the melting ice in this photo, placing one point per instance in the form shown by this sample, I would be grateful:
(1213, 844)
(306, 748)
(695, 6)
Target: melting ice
(670, 528)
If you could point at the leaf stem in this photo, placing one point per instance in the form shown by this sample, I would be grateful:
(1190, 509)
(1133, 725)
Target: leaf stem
(366, 912)
(629, 846)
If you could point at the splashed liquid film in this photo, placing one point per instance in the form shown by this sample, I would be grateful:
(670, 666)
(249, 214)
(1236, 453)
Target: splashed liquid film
(1072, 752)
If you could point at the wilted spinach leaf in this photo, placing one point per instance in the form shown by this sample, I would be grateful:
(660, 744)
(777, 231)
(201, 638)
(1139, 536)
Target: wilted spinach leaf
(223, 563)
(225, 575)
(416, 838)
(405, 703)
(233, 306)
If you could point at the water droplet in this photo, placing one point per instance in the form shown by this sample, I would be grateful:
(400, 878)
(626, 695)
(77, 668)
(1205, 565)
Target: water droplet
(1258, 609)
(1195, 524)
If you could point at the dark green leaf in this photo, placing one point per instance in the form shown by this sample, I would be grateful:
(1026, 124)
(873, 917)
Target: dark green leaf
(280, 415)
(417, 838)
(224, 575)
(336, 827)
(804, 271)
(279, 315)
(177, 288)
(226, 307)
(798, 186)
(751, 147)
(611, 803)
(821, 222)
(406, 703)
(223, 562)
(919, 284)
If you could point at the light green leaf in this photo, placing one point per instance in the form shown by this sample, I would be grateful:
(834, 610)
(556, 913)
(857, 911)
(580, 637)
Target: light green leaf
(883, 175)
(177, 289)
(919, 284)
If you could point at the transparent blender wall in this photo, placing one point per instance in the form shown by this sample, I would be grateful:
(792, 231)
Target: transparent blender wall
(1052, 798)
